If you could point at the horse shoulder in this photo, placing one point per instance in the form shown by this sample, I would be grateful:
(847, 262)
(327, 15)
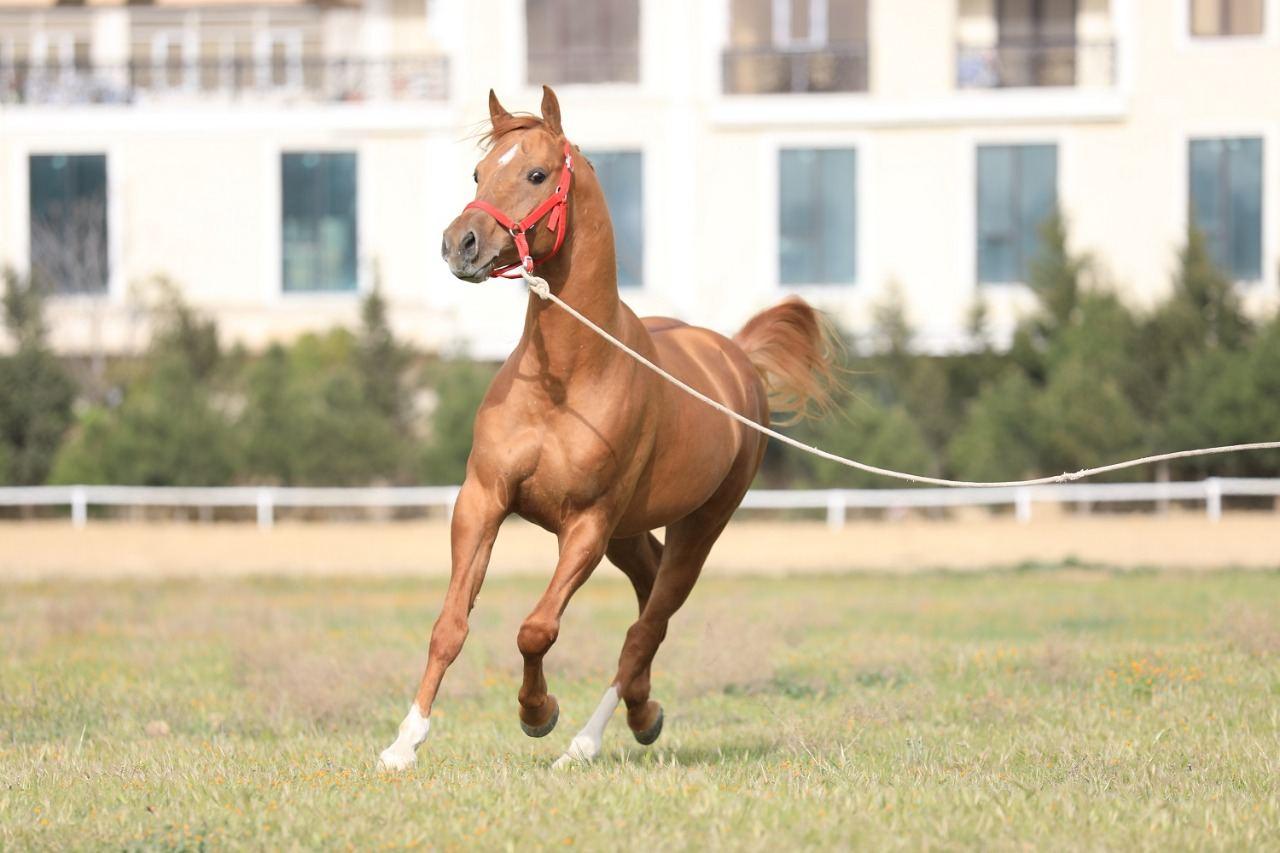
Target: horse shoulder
(505, 441)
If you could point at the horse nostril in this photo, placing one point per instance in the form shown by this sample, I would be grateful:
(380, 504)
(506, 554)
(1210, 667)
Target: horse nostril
(444, 248)
(468, 247)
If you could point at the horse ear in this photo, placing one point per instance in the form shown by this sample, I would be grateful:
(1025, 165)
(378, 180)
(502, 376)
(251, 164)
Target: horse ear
(496, 110)
(551, 111)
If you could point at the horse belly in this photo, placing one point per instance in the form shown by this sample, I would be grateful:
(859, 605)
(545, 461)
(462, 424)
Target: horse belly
(696, 448)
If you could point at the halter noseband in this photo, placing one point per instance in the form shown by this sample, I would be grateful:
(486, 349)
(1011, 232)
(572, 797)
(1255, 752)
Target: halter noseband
(556, 204)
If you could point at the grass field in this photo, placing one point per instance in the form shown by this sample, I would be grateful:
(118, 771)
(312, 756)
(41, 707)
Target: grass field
(1060, 708)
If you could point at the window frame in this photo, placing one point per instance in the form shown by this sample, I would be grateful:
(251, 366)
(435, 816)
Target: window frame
(114, 212)
(527, 81)
(819, 290)
(1188, 40)
(1223, 16)
(646, 236)
(1018, 225)
(274, 256)
(1266, 241)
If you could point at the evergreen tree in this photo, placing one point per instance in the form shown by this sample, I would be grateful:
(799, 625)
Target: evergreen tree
(382, 362)
(170, 428)
(36, 391)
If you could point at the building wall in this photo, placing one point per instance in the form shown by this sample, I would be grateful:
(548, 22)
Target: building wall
(195, 185)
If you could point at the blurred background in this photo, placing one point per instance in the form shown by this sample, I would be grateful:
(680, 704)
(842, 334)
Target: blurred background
(1046, 228)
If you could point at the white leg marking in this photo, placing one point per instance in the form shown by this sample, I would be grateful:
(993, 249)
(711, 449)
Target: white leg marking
(586, 744)
(413, 731)
(507, 157)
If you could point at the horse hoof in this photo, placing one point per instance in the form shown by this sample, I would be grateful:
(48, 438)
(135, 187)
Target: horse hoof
(650, 734)
(546, 728)
(395, 761)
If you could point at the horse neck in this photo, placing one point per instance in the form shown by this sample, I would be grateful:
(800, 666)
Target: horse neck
(584, 274)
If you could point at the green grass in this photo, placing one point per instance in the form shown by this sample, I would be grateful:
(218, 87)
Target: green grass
(1056, 709)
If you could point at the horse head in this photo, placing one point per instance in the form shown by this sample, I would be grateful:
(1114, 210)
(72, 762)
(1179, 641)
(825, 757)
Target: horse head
(518, 216)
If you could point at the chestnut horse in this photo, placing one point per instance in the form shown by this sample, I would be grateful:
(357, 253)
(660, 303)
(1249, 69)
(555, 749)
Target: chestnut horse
(575, 436)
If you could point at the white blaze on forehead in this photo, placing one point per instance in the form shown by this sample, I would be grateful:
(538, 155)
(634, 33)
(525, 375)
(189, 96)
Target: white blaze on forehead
(511, 153)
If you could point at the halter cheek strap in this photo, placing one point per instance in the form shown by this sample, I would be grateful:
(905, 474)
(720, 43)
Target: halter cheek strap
(556, 204)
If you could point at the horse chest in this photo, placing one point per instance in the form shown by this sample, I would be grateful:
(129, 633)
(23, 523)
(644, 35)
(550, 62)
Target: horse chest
(575, 465)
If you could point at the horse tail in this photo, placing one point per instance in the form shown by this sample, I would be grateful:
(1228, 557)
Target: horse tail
(795, 349)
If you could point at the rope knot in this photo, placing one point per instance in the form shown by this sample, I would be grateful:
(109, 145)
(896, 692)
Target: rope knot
(536, 284)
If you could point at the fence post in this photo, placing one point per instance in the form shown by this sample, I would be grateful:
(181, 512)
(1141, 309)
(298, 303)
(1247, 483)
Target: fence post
(1213, 498)
(1022, 505)
(266, 510)
(79, 507)
(835, 509)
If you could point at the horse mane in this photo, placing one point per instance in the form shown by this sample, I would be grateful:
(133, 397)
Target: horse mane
(505, 124)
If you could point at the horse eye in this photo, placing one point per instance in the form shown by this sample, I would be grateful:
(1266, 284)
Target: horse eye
(537, 176)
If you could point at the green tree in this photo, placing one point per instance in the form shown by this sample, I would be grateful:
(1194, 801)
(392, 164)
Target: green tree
(36, 391)
(309, 420)
(1227, 396)
(999, 438)
(382, 362)
(1203, 312)
(882, 435)
(170, 429)
(459, 388)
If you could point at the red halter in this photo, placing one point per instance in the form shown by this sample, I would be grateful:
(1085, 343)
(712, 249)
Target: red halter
(556, 204)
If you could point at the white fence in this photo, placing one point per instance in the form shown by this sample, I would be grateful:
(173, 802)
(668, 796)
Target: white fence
(836, 502)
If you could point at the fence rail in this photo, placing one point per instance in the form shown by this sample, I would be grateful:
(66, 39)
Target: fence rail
(836, 503)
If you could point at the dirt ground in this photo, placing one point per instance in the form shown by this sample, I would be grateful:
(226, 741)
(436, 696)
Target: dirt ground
(114, 549)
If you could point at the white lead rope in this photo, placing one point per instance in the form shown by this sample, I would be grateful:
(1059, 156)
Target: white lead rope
(540, 287)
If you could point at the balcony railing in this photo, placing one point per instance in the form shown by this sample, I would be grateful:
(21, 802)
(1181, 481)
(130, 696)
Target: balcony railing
(559, 64)
(770, 71)
(307, 80)
(1012, 64)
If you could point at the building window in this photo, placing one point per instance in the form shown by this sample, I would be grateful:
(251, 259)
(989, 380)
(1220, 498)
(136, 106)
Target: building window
(68, 208)
(817, 215)
(574, 42)
(1226, 202)
(1017, 192)
(1036, 42)
(1216, 18)
(318, 221)
(621, 176)
(780, 46)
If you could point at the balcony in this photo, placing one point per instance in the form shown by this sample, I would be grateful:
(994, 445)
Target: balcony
(1023, 64)
(770, 70)
(560, 64)
(303, 81)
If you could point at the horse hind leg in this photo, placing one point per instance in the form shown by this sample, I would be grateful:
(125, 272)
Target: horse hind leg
(688, 543)
(638, 558)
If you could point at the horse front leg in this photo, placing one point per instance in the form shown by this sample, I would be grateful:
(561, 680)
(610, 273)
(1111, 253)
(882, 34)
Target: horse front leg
(477, 515)
(582, 545)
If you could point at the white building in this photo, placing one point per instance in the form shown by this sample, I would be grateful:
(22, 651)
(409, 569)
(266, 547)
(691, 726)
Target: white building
(274, 158)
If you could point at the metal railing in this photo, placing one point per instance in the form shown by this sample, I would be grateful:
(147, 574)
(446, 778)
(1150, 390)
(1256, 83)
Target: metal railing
(835, 503)
(769, 70)
(1012, 64)
(561, 64)
(329, 80)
